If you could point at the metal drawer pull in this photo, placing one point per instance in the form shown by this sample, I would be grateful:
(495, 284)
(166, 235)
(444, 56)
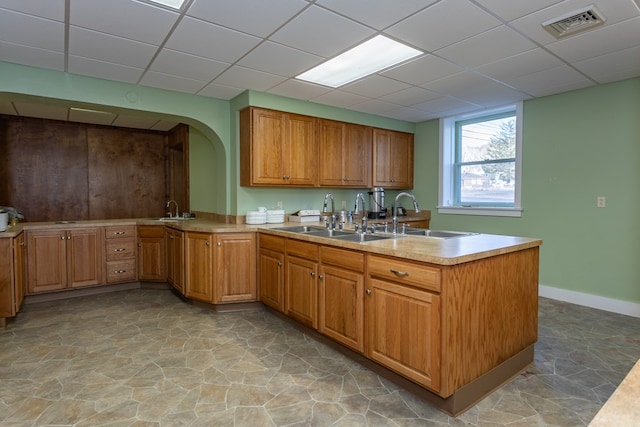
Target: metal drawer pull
(368, 291)
(119, 271)
(119, 250)
(119, 232)
(399, 273)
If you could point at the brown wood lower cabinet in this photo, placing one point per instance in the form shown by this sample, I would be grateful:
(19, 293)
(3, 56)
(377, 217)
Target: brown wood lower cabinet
(151, 253)
(62, 259)
(198, 266)
(174, 246)
(235, 275)
(11, 276)
(341, 298)
(301, 282)
(271, 270)
(403, 319)
(120, 250)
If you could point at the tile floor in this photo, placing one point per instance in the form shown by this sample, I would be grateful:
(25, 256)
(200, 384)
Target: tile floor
(146, 358)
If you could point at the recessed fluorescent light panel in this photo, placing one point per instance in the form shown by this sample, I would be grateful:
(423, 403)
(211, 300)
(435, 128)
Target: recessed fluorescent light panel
(173, 4)
(367, 58)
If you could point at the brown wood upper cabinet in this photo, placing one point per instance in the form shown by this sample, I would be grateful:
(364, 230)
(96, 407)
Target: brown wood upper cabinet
(392, 159)
(345, 154)
(277, 148)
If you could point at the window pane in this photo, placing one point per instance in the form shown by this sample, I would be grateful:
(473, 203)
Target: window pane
(487, 184)
(488, 140)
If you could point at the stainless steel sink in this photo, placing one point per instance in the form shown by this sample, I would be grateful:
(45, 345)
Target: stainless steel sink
(325, 232)
(301, 229)
(439, 234)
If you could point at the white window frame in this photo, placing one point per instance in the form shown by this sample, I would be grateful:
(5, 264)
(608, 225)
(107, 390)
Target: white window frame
(447, 158)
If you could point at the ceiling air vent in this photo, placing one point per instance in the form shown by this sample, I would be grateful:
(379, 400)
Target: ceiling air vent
(574, 22)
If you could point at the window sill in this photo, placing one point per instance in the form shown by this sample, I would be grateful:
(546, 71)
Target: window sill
(478, 210)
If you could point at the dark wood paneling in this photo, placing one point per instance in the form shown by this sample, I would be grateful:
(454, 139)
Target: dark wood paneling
(178, 166)
(53, 170)
(44, 169)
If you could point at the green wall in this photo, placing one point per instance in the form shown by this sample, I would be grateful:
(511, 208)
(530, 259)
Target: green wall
(576, 146)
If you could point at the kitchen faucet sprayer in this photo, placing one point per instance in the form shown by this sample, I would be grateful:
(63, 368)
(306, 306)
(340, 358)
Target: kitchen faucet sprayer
(395, 208)
(356, 211)
(332, 223)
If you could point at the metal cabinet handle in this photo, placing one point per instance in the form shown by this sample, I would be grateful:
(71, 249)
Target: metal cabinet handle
(368, 291)
(279, 263)
(399, 273)
(119, 271)
(313, 274)
(207, 244)
(321, 277)
(219, 243)
(118, 233)
(119, 250)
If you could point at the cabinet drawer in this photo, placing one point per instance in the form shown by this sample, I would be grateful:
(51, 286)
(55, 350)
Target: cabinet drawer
(119, 231)
(404, 272)
(302, 249)
(342, 258)
(151, 231)
(121, 249)
(275, 243)
(121, 271)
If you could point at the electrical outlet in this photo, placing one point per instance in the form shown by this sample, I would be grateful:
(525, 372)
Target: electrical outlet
(601, 202)
(279, 205)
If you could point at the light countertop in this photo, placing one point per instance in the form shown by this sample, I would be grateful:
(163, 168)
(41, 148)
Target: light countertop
(623, 407)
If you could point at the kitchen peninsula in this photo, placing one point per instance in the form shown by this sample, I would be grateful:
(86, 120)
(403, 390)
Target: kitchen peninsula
(454, 318)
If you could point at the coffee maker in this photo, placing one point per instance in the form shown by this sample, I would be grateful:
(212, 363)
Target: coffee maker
(376, 203)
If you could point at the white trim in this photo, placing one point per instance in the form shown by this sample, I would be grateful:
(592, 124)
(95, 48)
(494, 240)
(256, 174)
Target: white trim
(588, 300)
(476, 210)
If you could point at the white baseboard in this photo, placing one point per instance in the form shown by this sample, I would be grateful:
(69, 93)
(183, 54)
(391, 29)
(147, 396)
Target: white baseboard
(588, 300)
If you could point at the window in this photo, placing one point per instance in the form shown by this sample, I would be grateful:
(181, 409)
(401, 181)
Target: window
(480, 158)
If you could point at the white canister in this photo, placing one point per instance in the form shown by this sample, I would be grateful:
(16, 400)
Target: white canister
(4, 220)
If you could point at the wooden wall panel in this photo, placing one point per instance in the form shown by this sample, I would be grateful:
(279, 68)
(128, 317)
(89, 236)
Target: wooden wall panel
(126, 173)
(43, 169)
(53, 170)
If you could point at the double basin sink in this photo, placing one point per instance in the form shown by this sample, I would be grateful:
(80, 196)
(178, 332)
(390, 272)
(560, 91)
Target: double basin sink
(352, 236)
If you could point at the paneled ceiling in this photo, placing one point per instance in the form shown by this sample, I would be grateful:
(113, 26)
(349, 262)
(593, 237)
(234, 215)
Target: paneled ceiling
(477, 53)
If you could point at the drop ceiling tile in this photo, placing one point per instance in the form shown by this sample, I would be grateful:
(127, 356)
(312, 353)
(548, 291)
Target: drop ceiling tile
(321, 32)
(278, 59)
(299, 90)
(220, 91)
(31, 56)
(6, 107)
(493, 94)
(510, 10)
(422, 70)
(547, 82)
(374, 106)
(492, 45)
(27, 30)
(339, 98)
(442, 24)
(136, 122)
(103, 70)
(163, 125)
(247, 78)
(124, 18)
(599, 41)
(50, 9)
(187, 66)
(408, 114)
(456, 84)
(108, 48)
(257, 17)
(410, 96)
(375, 86)
(43, 111)
(378, 14)
(210, 41)
(445, 104)
(521, 64)
(599, 68)
(91, 116)
(170, 82)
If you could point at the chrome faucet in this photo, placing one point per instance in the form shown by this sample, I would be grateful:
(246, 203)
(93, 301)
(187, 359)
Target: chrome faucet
(333, 209)
(169, 204)
(395, 209)
(356, 211)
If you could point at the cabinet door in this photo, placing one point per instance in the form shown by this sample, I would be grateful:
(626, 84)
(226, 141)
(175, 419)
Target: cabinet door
(357, 156)
(85, 257)
(235, 267)
(151, 253)
(271, 282)
(46, 261)
(19, 276)
(342, 306)
(174, 244)
(7, 289)
(301, 293)
(392, 159)
(198, 263)
(332, 141)
(394, 313)
(267, 134)
(301, 155)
